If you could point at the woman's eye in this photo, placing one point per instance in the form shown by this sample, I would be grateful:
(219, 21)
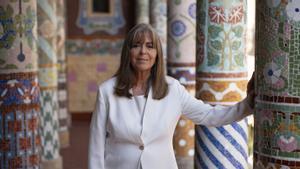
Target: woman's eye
(136, 45)
(150, 46)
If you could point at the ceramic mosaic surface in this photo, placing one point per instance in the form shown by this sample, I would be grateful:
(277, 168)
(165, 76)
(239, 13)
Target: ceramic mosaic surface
(19, 120)
(221, 79)
(100, 47)
(47, 46)
(277, 112)
(19, 90)
(85, 73)
(158, 20)
(102, 57)
(181, 65)
(63, 116)
(49, 125)
(92, 22)
(17, 37)
(142, 11)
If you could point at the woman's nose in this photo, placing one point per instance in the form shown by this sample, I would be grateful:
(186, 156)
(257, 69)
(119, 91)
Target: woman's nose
(143, 49)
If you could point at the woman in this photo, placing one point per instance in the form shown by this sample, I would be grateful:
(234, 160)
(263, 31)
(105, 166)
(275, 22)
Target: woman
(137, 110)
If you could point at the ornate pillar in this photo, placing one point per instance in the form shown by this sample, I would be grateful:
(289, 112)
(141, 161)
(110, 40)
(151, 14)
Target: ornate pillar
(221, 79)
(142, 11)
(158, 20)
(63, 115)
(47, 27)
(181, 65)
(277, 105)
(19, 89)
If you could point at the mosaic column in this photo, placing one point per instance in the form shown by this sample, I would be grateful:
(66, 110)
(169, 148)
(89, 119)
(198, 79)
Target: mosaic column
(158, 20)
(221, 80)
(181, 65)
(47, 27)
(142, 11)
(63, 116)
(19, 89)
(277, 105)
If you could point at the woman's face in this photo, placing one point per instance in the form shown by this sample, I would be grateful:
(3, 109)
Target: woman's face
(143, 54)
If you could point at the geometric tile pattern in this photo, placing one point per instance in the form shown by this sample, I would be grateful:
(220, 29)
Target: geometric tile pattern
(49, 125)
(225, 89)
(277, 108)
(48, 76)
(63, 116)
(181, 65)
(79, 47)
(221, 80)
(19, 121)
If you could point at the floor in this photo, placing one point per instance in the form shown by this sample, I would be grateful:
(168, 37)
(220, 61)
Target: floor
(75, 156)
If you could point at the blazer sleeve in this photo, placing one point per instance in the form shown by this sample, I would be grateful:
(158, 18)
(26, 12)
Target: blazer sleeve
(206, 114)
(98, 134)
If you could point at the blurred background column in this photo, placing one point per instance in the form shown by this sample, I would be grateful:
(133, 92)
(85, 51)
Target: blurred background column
(221, 80)
(142, 11)
(181, 65)
(47, 48)
(19, 89)
(277, 65)
(158, 20)
(63, 115)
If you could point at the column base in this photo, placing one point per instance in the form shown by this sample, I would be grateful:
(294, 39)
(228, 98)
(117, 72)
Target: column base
(52, 164)
(185, 162)
(64, 139)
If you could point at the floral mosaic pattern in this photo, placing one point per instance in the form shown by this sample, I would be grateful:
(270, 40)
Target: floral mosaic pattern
(225, 33)
(181, 33)
(277, 110)
(16, 26)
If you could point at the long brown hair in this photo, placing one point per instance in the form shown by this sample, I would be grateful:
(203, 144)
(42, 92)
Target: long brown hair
(125, 73)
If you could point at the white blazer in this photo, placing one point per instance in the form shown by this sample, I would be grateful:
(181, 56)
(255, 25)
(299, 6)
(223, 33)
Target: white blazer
(119, 141)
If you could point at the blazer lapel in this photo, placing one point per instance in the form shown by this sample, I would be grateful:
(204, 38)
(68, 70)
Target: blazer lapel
(147, 112)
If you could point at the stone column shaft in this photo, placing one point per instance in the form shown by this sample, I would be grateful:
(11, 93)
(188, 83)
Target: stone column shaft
(158, 20)
(63, 114)
(48, 78)
(181, 65)
(277, 67)
(19, 88)
(142, 11)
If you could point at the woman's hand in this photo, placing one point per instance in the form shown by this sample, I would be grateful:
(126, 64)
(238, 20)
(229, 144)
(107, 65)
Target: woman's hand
(250, 91)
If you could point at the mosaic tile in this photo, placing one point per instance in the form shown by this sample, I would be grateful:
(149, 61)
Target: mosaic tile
(277, 107)
(19, 121)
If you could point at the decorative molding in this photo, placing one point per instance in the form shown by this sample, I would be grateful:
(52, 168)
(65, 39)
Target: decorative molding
(92, 22)
(81, 47)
